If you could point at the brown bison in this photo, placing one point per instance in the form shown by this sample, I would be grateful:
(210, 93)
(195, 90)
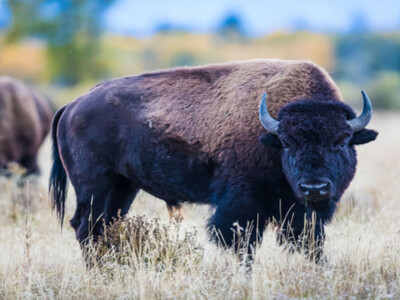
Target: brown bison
(194, 135)
(25, 119)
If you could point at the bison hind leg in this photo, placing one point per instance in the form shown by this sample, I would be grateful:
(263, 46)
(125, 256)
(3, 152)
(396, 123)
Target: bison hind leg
(99, 201)
(121, 197)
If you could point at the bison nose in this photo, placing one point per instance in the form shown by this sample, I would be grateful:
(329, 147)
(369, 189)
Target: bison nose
(315, 190)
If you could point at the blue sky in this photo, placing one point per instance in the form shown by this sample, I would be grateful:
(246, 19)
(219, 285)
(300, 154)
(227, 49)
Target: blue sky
(259, 17)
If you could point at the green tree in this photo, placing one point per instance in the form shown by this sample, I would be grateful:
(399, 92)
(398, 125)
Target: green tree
(71, 29)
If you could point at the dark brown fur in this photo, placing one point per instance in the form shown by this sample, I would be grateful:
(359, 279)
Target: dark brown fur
(25, 119)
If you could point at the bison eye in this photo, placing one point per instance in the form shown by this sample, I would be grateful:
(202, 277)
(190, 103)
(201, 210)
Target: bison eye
(342, 143)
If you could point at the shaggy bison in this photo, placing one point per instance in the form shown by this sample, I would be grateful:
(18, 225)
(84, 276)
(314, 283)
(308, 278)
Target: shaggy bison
(25, 119)
(194, 135)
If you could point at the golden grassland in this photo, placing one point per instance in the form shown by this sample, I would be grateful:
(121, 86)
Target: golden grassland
(124, 55)
(166, 50)
(362, 247)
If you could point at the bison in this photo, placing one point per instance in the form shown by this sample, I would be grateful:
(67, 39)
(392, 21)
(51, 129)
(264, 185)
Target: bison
(200, 135)
(25, 120)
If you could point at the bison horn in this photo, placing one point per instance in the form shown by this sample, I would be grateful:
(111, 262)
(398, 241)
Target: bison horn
(362, 120)
(268, 122)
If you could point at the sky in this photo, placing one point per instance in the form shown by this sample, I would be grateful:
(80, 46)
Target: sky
(259, 17)
(141, 18)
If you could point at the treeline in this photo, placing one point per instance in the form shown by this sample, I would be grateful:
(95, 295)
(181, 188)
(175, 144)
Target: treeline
(371, 61)
(70, 30)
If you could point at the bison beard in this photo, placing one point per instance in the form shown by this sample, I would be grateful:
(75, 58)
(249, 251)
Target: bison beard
(193, 135)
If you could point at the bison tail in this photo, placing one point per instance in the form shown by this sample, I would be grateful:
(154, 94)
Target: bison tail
(58, 181)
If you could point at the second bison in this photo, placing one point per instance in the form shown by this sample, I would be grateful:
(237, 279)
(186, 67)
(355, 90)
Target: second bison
(201, 135)
(25, 119)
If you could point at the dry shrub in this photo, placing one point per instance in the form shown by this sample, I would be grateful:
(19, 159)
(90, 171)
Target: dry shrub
(138, 241)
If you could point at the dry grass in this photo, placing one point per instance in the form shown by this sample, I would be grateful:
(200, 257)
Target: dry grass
(173, 260)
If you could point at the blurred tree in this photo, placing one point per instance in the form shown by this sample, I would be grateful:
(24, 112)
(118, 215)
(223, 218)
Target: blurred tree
(370, 61)
(384, 91)
(361, 57)
(231, 27)
(71, 29)
(4, 15)
(359, 23)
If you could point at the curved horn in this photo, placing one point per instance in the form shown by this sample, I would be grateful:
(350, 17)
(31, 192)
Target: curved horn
(268, 122)
(362, 120)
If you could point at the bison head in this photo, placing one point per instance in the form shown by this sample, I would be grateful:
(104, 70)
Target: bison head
(317, 139)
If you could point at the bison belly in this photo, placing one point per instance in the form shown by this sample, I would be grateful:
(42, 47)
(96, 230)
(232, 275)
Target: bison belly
(170, 171)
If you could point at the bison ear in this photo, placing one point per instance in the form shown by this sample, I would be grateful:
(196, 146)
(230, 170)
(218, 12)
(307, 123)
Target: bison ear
(270, 140)
(364, 136)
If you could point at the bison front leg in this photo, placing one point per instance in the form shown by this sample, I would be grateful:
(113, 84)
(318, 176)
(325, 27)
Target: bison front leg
(239, 227)
(304, 232)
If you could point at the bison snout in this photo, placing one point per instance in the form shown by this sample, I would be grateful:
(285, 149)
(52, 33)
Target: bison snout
(315, 191)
